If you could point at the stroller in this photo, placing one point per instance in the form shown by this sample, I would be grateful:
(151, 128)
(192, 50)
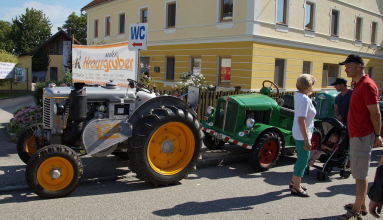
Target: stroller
(338, 158)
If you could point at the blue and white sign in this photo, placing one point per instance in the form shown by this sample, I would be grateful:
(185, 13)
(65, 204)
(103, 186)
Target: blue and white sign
(138, 36)
(6, 70)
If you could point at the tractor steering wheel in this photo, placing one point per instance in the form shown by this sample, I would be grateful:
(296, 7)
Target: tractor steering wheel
(271, 84)
(138, 86)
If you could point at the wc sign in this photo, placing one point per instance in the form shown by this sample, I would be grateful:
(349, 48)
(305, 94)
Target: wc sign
(138, 36)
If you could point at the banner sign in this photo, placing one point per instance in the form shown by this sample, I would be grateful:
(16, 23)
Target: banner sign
(6, 70)
(98, 64)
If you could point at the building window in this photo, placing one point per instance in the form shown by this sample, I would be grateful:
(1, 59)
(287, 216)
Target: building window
(370, 71)
(358, 28)
(170, 62)
(144, 64)
(224, 71)
(195, 65)
(226, 7)
(144, 15)
(309, 16)
(171, 15)
(107, 26)
(279, 72)
(53, 74)
(306, 67)
(96, 29)
(373, 32)
(334, 23)
(329, 74)
(282, 12)
(121, 27)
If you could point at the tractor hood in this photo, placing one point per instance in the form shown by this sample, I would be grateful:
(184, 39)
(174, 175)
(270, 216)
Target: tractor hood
(254, 101)
(98, 92)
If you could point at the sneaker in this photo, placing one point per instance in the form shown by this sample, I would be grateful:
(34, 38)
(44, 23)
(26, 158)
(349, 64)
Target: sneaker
(351, 215)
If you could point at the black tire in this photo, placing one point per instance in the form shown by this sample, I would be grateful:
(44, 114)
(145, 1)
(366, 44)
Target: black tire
(27, 144)
(38, 174)
(321, 176)
(212, 143)
(147, 138)
(265, 151)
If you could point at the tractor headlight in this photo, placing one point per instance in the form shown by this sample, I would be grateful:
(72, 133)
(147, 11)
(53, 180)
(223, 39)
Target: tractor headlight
(210, 110)
(250, 122)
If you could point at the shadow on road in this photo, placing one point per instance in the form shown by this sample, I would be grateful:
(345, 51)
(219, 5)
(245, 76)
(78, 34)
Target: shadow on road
(222, 205)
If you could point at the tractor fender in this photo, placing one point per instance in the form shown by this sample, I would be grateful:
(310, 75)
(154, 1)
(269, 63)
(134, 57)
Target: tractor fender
(158, 102)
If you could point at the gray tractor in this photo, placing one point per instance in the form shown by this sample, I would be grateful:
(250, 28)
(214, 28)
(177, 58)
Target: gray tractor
(159, 134)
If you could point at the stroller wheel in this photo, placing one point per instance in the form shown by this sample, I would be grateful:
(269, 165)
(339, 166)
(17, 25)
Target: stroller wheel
(321, 175)
(345, 174)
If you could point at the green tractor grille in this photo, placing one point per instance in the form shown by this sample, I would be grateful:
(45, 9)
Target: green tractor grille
(231, 116)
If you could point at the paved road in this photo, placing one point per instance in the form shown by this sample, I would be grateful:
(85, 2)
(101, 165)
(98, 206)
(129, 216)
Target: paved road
(226, 191)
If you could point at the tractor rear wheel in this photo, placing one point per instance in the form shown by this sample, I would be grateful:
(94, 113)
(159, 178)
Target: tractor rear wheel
(27, 144)
(212, 143)
(265, 152)
(165, 146)
(54, 171)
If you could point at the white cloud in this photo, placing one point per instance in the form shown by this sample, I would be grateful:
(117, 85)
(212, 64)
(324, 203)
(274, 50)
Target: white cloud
(57, 14)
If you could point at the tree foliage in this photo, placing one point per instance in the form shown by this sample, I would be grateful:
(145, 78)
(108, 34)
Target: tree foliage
(40, 60)
(30, 30)
(6, 42)
(76, 25)
(7, 57)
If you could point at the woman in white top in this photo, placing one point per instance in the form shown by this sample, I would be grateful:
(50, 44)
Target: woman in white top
(303, 127)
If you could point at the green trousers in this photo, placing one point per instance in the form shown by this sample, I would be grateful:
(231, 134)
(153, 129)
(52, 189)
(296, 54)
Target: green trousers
(302, 158)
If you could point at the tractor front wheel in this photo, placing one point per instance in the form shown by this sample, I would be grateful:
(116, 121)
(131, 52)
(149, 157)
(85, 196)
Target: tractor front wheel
(54, 171)
(165, 146)
(27, 144)
(265, 152)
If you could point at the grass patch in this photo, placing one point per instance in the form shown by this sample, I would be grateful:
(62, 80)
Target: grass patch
(13, 95)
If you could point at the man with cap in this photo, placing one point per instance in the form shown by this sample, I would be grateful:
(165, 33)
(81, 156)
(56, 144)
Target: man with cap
(342, 100)
(363, 122)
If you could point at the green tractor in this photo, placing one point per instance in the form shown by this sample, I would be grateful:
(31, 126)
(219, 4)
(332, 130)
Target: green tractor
(255, 122)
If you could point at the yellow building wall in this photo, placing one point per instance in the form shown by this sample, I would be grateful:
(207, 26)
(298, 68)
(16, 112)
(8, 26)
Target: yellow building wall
(56, 61)
(25, 62)
(252, 63)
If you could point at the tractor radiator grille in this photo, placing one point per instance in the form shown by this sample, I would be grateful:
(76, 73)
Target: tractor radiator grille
(47, 113)
(231, 117)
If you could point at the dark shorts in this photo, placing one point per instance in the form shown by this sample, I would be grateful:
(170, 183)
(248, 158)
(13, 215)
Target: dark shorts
(360, 155)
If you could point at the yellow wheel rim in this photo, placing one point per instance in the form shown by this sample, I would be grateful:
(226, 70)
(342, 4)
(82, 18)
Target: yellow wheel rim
(30, 146)
(171, 148)
(55, 173)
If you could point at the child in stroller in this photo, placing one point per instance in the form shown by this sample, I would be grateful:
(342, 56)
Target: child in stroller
(332, 151)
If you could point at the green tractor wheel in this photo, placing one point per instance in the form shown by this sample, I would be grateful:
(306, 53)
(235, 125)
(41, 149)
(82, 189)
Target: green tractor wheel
(265, 152)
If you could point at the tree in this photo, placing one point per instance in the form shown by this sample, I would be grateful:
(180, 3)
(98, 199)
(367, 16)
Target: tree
(6, 42)
(76, 25)
(40, 60)
(30, 30)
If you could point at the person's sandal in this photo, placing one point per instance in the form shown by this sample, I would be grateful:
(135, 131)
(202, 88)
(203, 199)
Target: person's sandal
(351, 215)
(298, 192)
(351, 206)
(291, 186)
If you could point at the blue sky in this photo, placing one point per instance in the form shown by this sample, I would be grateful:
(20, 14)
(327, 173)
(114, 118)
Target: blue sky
(56, 10)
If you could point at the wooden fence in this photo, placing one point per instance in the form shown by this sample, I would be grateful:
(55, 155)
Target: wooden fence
(209, 98)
